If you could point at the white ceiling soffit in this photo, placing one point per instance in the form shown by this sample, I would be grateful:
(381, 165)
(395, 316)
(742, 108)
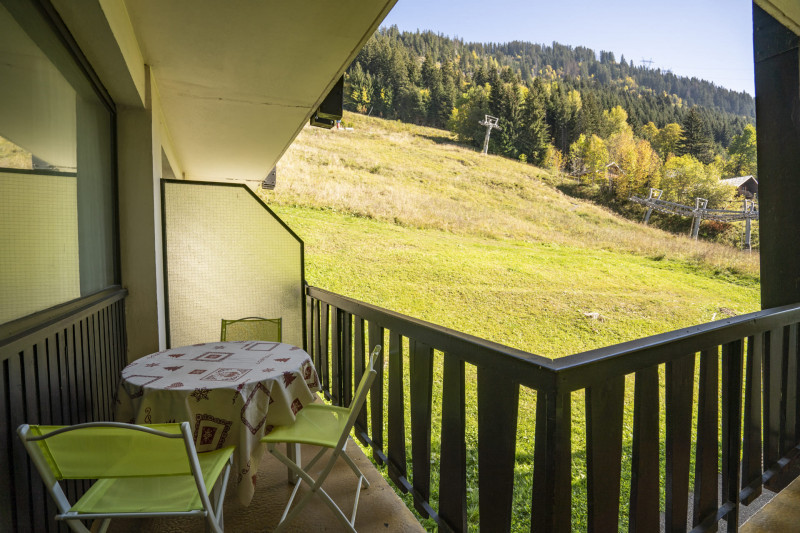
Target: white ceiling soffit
(787, 12)
(238, 79)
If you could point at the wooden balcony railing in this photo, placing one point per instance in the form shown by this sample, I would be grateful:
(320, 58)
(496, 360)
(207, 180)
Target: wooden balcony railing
(747, 368)
(60, 366)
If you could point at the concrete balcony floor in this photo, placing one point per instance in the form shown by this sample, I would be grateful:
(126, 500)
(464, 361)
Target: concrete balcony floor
(379, 508)
(781, 514)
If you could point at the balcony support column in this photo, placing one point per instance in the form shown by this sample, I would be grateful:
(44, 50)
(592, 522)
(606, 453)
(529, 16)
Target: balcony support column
(552, 464)
(141, 253)
(777, 77)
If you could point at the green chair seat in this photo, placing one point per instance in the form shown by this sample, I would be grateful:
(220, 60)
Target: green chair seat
(165, 494)
(320, 425)
(139, 471)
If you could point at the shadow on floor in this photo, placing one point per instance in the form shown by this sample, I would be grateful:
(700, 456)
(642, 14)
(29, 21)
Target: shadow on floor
(379, 508)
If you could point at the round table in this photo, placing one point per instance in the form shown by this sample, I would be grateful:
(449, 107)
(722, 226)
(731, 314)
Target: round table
(231, 392)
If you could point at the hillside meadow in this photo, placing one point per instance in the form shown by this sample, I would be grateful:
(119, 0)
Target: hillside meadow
(402, 217)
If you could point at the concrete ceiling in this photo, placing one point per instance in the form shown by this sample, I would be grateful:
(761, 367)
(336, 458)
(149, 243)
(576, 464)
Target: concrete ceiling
(787, 12)
(239, 79)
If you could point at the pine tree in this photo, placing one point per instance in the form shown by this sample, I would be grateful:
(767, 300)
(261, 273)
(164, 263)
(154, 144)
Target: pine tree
(534, 137)
(589, 116)
(696, 139)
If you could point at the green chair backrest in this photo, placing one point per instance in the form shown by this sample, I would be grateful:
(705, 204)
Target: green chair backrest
(94, 452)
(251, 329)
(361, 393)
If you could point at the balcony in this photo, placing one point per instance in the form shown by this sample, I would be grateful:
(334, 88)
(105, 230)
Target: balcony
(680, 431)
(473, 434)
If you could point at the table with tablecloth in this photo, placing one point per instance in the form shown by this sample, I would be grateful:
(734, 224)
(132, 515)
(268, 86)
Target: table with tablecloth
(232, 393)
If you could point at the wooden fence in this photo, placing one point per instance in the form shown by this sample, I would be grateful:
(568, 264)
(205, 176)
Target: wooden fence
(63, 369)
(735, 359)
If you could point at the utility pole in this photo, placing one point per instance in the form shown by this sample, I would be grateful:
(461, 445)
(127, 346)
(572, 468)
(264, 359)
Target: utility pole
(748, 212)
(700, 205)
(655, 195)
(490, 122)
(647, 62)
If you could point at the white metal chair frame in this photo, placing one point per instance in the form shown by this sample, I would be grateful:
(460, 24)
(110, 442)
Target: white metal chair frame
(338, 451)
(212, 513)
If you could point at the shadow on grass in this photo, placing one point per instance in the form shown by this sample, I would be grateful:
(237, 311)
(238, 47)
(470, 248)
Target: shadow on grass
(443, 140)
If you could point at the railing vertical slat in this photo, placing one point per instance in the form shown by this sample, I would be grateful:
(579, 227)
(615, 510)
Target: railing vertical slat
(347, 358)
(103, 350)
(7, 433)
(731, 428)
(64, 393)
(772, 397)
(43, 385)
(33, 416)
(679, 389)
(751, 446)
(82, 336)
(77, 356)
(53, 383)
(336, 356)
(94, 339)
(790, 388)
(72, 378)
(358, 339)
(396, 426)
(706, 485)
(323, 344)
(309, 340)
(453, 454)
(376, 335)
(644, 505)
(83, 382)
(24, 474)
(551, 500)
(421, 392)
(498, 405)
(604, 406)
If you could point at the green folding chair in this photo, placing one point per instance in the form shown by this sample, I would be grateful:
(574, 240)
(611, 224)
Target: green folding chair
(329, 427)
(252, 328)
(141, 471)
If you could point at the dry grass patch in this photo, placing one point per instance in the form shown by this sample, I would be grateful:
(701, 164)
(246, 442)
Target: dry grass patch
(419, 177)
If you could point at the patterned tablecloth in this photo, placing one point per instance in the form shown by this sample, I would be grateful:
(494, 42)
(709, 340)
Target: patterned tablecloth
(231, 393)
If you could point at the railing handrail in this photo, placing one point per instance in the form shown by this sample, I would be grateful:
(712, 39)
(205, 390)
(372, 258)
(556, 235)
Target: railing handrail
(17, 331)
(628, 357)
(528, 369)
(578, 370)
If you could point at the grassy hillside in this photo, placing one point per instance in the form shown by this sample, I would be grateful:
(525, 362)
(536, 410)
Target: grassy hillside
(403, 217)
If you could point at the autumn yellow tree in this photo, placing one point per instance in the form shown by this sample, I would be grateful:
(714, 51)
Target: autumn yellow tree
(685, 178)
(666, 142)
(589, 157)
(614, 120)
(638, 161)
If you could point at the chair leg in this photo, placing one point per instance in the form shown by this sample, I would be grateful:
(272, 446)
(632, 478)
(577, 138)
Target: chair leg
(293, 453)
(355, 469)
(315, 488)
(100, 525)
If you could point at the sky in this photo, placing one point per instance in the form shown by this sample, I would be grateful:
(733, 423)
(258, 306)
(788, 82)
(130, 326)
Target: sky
(707, 39)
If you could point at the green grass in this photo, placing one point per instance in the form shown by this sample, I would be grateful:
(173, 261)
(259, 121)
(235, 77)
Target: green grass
(534, 297)
(403, 218)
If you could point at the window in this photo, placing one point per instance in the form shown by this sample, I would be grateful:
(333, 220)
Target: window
(57, 176)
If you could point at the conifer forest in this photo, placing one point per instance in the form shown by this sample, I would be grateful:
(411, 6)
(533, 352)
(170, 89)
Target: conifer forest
(566, 108)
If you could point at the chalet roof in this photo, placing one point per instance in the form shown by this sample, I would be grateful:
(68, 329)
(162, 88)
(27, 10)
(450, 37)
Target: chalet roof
(739, 181)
